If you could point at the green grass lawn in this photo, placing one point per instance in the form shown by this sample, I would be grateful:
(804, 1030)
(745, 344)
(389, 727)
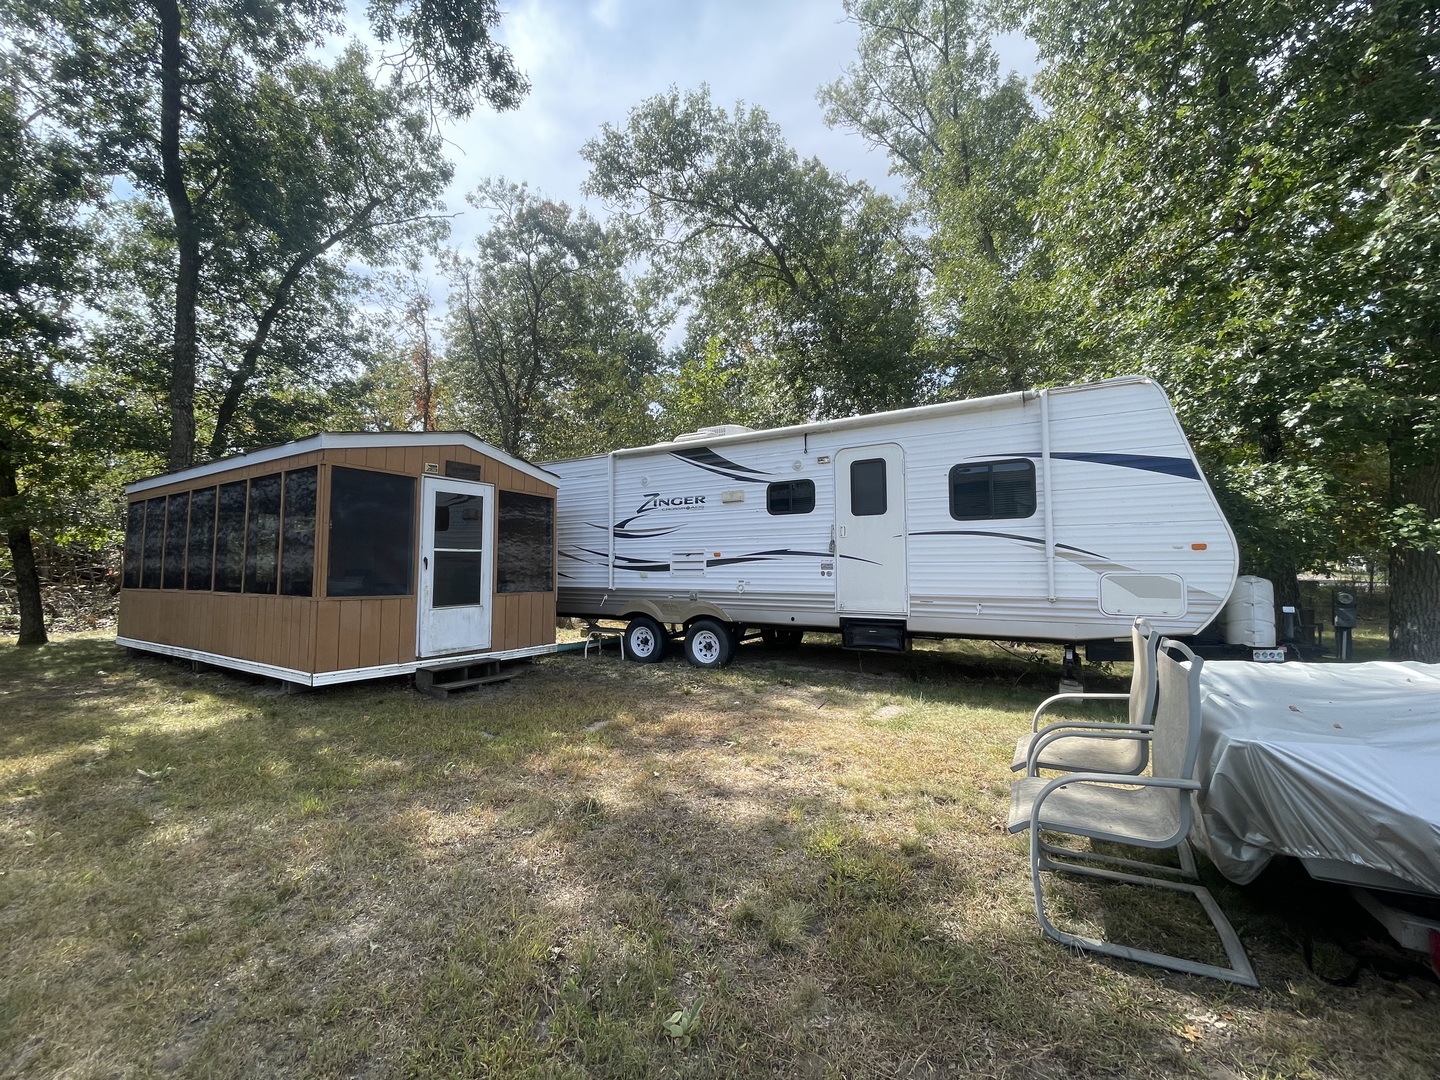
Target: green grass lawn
(200, 876)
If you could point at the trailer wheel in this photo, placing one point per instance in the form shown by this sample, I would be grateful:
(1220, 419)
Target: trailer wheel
(781, 639)
(709, 643)
(644, 640)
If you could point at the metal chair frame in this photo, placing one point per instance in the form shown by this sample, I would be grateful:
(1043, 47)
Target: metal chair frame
(1174, 741)
(1030, 750)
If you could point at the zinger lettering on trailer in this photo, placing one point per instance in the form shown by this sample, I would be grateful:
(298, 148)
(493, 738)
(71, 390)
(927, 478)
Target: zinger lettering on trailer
(653, 501)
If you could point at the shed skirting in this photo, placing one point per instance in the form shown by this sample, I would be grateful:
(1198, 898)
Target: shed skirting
(328, 678)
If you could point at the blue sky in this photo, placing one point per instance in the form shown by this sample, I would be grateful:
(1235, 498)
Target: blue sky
(590, 61)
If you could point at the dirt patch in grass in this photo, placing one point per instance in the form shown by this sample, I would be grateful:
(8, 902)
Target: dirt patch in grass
(199, 878)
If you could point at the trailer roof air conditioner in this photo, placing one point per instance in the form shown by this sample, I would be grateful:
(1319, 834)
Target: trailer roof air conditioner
(713, 432)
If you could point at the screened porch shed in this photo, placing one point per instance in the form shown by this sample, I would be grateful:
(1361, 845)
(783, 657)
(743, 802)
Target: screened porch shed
(344, 556)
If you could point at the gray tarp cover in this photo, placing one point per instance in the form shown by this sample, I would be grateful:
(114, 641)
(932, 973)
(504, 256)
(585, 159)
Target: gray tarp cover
(1325, 761)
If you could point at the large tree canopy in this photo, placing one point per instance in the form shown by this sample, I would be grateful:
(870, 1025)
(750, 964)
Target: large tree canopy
(926, 87)
(265, 159)
(1240, 199)
(547, 353)
(784, 261)
(45, 183)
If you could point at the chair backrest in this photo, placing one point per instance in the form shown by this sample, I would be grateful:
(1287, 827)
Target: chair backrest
(1145, 641)
(1176, 740)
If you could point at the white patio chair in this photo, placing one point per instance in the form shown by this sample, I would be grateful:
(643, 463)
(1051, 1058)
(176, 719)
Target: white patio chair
(1085, 746)
(1140, 811)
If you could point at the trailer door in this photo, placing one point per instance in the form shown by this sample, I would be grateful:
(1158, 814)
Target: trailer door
(456, 566)
(870, 549)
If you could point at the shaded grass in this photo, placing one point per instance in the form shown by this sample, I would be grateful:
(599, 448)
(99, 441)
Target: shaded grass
(200, 877)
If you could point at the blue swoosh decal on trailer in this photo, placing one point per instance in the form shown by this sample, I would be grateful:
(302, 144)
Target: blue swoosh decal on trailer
(702, 457)
(1167, 466)
(1184, 468)
(771, 556)
(1004, 536)
(634, 534)
(1146, 462)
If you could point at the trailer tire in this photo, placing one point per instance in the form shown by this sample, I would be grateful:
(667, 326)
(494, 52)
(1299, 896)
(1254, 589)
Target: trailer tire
(644, 640)
(781, 639)
(709, 643)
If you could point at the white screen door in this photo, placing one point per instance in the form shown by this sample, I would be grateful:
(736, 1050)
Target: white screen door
(457, 536)
(870, 572)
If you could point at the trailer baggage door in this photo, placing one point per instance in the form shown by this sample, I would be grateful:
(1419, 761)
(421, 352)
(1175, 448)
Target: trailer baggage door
(870, 575)
(456, 566)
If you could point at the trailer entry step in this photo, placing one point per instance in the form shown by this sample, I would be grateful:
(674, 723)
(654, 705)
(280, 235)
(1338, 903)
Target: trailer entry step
(873, 635)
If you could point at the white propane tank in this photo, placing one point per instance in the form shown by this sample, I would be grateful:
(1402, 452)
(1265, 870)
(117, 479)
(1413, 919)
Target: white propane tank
(1250, 614)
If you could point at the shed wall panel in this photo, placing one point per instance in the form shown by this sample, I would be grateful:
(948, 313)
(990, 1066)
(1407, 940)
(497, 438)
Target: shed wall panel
(264, 629)
(348, 647)
(502, 623)
(370, 634)
(327, 635)
(409, 614)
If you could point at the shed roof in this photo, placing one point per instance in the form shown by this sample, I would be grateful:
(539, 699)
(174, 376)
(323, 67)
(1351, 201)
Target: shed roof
(343, 440)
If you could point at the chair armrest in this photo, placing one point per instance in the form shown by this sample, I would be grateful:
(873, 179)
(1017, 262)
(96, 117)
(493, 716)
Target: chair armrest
(1107, 778)
(1071, 699)
(1079, 730)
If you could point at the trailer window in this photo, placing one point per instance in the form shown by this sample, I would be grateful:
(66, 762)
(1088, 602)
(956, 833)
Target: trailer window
(297, 545)
(200, 549)
(992, 489)
(177, 519)
(134, 544)
(154, 543)
(525, 561)
(372, 533)
(230, 537)
(867, 488)
(790, 497)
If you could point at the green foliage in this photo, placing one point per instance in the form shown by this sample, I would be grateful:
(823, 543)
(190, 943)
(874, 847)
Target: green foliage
(46, 183)
(262, 168)
(47, 422)
(784, 262)
(1239, 199)
(702, 390)
(547, 349)
(682, 1025)
(1284, 515)
(1414, 528)
(926, 88)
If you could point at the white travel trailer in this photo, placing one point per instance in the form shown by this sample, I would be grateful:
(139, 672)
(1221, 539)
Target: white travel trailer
(1054, 515)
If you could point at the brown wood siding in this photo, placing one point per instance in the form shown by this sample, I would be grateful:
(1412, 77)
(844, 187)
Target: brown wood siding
(327, 635)
(262, 629)
(522, 620)
(349, 643)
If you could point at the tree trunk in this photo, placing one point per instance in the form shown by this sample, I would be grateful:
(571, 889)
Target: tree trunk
(185, 347)
(27, 576)
(1415, 574)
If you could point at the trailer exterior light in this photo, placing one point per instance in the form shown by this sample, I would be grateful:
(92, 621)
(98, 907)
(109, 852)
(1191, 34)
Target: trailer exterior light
(1198, 547)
